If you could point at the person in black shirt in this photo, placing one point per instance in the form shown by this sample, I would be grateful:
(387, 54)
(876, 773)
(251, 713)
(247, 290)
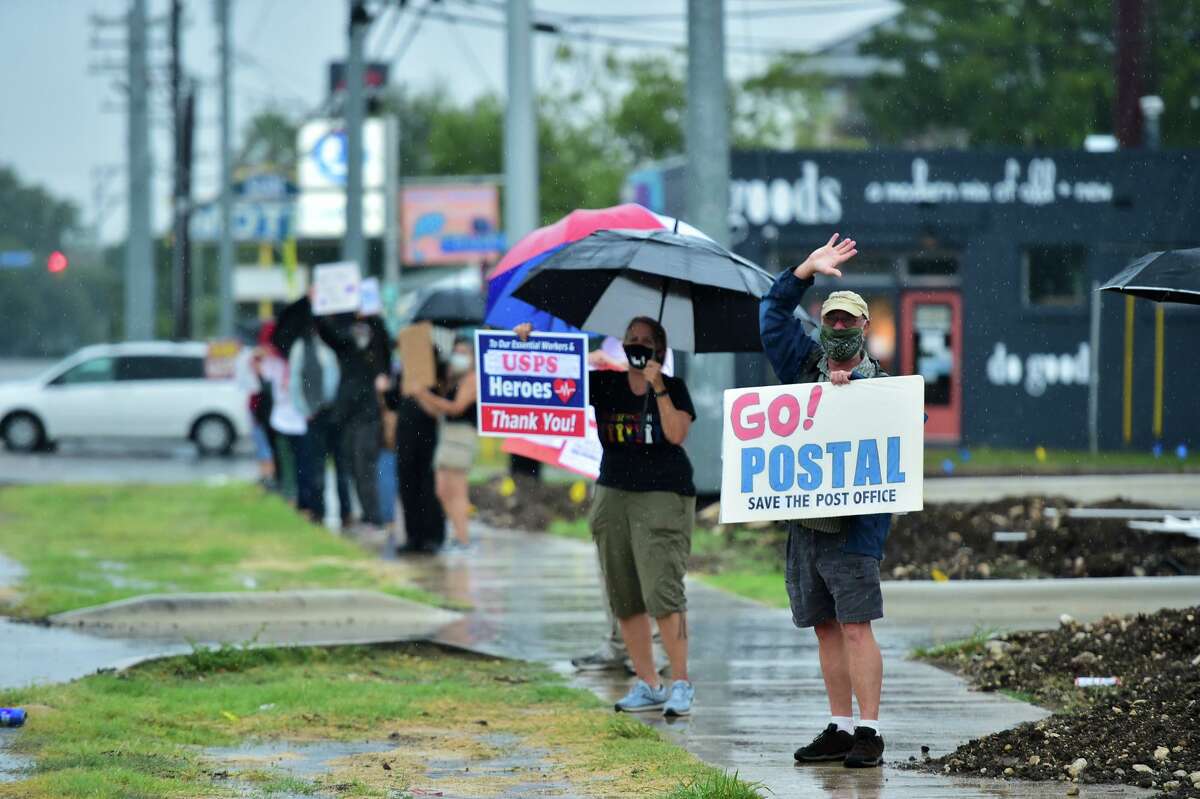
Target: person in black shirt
(416, 440)
(643, 510)
(458, 442)
(364, 353)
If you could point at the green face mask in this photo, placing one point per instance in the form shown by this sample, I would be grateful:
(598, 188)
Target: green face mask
(841, 345)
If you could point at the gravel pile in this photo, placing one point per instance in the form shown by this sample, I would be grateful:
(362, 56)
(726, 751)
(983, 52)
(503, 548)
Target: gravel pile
(1142, 732)
(958, 539)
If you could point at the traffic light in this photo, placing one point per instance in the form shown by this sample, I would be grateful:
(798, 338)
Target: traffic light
(56, 262)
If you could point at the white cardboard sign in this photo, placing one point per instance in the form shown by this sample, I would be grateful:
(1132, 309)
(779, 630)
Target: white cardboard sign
(370, 298)
(335, 288)
(807, 450)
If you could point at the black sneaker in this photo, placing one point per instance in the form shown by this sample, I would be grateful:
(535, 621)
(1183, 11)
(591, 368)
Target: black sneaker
(832, 744)
(867, 751)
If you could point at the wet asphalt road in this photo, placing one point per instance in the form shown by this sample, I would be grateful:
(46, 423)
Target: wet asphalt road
(116, 461)
(122, 462)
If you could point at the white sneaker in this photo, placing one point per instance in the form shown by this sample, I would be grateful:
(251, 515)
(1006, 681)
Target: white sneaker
(453, 547)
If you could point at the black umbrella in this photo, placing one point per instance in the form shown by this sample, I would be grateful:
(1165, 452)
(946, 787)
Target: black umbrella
(456, 307)
(1171, 276)
(705, 296)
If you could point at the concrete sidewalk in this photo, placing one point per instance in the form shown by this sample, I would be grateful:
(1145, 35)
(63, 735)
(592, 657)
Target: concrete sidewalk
(290, 618)
(1151, 489)
(759, 692)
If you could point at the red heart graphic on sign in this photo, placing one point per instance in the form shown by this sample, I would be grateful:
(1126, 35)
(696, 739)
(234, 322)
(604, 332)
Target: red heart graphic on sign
(564, 390)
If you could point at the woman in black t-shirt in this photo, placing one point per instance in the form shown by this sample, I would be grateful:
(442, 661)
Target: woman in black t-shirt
(454, 406)
(643, 510)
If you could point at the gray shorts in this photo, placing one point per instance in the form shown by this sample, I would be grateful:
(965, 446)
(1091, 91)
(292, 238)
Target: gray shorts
(824, 583)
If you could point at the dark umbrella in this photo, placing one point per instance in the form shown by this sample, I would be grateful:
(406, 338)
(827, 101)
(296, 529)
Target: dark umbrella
(1171, 276)
(450, 308)
(705, 296)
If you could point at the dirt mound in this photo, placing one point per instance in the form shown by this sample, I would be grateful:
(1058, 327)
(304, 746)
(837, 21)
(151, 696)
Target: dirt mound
(958, 540)
(954, 539)
(523, 503)
(1142, 732)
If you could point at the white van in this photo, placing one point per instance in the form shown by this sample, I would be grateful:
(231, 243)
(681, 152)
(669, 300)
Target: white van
(148, 390)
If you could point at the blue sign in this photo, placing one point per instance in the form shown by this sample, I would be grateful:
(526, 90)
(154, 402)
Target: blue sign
(537, 387)
(265, 187)
(16, 259)
(494, 241)
(330, 156)
(252, 221)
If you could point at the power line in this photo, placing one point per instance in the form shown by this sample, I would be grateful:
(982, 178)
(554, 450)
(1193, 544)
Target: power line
(410, 34)
(381, 39)
(589, 36)
(480, 72)
(808, 9)
(563, 26)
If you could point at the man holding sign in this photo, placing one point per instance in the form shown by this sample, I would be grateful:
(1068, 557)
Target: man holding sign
(833, 561)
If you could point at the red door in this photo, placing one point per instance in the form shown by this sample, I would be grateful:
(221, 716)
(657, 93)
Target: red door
(931, 346)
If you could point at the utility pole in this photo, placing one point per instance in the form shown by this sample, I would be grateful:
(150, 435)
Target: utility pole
(225, 248)
(707, 205)
(183, 117)
(353, 246)
(139, 243)
(1128, 23)
(520, 152)
(707, 132)
(520, 128)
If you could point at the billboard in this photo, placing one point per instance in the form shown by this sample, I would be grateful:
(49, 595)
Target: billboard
(322, 214)
(321, 145)
(321, 205)
(450, 224)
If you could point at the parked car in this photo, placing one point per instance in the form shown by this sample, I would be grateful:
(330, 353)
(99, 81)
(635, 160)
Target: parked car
(148, 390)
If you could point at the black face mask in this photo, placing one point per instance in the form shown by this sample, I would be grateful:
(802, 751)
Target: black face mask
(638, 355)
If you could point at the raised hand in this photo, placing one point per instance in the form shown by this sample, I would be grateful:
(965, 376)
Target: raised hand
(826, 260)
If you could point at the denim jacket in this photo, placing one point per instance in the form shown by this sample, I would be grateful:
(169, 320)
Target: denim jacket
(795, 357)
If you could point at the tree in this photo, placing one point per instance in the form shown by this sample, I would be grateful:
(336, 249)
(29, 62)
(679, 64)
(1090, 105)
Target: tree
(1023, 72)
(47, 314)
(783, 107)
(649, 115)
(269, 143)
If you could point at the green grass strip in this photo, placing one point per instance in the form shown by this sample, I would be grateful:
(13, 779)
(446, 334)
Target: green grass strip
(84, 545)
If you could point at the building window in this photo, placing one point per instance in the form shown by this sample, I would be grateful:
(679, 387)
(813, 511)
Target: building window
(1055, 276)
(932, 266)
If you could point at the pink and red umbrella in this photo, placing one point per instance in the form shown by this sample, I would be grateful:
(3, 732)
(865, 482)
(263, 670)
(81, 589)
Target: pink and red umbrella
(504, 310)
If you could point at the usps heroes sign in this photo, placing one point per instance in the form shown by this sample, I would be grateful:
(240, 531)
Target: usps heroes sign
(537, 387)
(815, 449)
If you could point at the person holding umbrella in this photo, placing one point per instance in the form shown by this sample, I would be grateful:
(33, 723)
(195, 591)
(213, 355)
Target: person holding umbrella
(642, 515)
(643, 511)
(833, 563)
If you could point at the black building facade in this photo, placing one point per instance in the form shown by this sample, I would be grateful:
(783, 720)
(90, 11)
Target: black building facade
(979, 269)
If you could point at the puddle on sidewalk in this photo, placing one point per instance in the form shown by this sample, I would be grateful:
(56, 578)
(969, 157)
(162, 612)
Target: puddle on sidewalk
(416, 763)
(12, 767)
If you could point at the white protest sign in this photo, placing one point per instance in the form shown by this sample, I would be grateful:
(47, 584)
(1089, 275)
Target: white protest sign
(815, 449)
(370, 300)
(335, 288)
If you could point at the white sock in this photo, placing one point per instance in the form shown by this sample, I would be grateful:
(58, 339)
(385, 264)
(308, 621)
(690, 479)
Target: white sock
(872, 723)
(844, 723)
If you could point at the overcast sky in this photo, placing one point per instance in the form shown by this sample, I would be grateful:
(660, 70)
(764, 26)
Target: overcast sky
(62, 123)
